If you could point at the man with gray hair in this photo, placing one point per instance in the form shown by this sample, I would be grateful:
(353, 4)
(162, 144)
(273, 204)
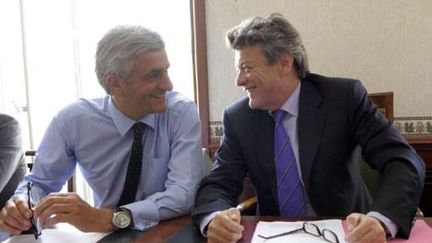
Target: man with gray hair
(295, 135)
(139, 147)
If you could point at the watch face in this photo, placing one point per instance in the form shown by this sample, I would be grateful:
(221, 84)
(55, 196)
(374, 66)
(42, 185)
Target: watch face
(121, 220)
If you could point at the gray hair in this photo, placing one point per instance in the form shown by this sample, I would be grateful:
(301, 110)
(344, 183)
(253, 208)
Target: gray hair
(276, 36)
(117, 50)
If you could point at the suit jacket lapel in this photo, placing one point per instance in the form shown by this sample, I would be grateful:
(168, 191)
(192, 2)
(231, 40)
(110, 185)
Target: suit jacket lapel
(311, 124)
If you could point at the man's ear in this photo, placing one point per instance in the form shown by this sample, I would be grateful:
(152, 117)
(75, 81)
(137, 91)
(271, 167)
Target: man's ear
(286, 62)
(113, 81)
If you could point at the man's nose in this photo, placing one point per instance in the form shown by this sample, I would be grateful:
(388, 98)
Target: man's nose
(166, 83)
(240, 78)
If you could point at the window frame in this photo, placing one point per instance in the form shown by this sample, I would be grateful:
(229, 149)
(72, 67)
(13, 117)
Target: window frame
(199, 48)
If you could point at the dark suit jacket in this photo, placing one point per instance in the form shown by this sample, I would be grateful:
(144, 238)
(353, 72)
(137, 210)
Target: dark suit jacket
(335, 116)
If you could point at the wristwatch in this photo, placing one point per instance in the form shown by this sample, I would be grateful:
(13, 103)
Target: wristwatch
(121, 218)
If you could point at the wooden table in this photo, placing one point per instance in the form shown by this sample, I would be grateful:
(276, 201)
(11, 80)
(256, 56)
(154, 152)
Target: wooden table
(180, 230)
(160, 233)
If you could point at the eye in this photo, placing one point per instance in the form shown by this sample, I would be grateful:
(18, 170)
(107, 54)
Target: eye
(244, 68)
(156, 74)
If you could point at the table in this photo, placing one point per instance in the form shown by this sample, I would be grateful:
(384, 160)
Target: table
(160, 233)
(181, 230)
(421, 232)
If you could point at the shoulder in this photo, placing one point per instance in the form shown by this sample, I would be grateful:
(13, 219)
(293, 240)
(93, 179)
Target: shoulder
(240, 108)
(178, 103)
(82, 112)
(327, 84)
(9, 128)
(7, 121)
(84, 106)
(239, 105)
(181, 115)
(332, 88)
(176, 99)
(240, 112)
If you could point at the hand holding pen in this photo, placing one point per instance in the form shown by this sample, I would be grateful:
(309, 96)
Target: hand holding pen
(16, 216)
(225, 227)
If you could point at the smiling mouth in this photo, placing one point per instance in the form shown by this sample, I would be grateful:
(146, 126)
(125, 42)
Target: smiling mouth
(249, 90)
(161, 96)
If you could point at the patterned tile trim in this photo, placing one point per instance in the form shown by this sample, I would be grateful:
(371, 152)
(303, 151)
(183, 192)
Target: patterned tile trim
(407, 126)
(216, 131)
(414, 126)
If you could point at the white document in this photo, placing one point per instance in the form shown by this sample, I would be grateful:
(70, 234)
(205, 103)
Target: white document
(277, 227)
(63, 232)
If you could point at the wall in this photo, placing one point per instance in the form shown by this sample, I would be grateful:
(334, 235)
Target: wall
(387, 44)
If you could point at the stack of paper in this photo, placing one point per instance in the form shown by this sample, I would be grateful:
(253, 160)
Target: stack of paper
(63, 232)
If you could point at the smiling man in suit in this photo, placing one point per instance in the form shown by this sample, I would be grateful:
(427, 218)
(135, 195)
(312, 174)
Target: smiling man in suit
(324, 121)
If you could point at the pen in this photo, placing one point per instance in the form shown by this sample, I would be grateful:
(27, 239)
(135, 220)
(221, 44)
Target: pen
(246, 204)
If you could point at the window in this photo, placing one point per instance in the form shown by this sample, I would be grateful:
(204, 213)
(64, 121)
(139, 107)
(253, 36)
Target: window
(47, 52)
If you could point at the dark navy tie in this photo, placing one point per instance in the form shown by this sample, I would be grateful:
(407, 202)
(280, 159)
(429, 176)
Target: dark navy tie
(290, 189)
(134, 168)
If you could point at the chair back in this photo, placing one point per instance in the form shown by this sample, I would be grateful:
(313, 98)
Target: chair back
(71, 186)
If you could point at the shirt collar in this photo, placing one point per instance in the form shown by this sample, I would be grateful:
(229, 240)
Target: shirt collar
(291, 105)
(124, 123)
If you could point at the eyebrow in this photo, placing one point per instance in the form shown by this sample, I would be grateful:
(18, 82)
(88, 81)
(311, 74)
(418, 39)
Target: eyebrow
(239, 65)
(153, 72)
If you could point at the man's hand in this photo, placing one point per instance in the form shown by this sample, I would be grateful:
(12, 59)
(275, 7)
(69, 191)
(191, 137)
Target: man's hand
(364, 229)
(15, 216)
(70, 208)
(225, 227)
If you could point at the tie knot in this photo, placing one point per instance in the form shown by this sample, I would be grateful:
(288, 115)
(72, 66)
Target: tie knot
(278, 115)
(138, 129)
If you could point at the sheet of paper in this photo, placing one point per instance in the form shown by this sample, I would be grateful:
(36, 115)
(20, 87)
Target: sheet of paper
(63, 232)
(277, 227)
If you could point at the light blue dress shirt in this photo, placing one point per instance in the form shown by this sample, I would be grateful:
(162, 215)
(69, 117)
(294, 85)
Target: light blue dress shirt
(96, 136)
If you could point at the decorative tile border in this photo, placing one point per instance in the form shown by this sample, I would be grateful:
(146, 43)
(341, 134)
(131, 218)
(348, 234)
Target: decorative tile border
(414, 126)
(216, 131)
(407, 126)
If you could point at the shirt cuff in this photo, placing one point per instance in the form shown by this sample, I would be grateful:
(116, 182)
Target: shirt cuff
(144, 219)
(205, 221)
(388, 223)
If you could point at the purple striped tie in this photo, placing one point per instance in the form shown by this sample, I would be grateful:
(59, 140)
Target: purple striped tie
(290, 189)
